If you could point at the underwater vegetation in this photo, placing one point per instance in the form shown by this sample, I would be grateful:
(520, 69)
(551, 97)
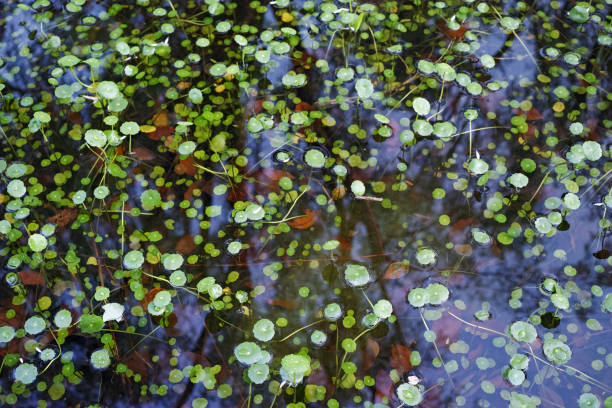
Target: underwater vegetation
(312, 203)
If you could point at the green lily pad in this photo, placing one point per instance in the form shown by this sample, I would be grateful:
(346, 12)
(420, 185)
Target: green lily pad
(356, 275)
(315, 158)
(556, 351)
(172, 261)
(383, 309)
(129, 128)
(421, 106)
(589, 400)
(162, 298)
(523, 331)
(426, 256)
(364, 87)
(95, 138)
(294, 367)
(332, 312)
(358, 188)
(515, 376)
(247, 352)
(318, 338)
(68, 61)
(258, 373)
(108, 89)
(101, 192)
(478, 166)
(518, 180)
(7, 333)
(133, 259)
(62, 319)
(16, 188)
(37, 242)
(409, 394)
(100, 359)
(437, 293)
(509, 23)
(263, 330)
(418, 297)
(149, 199)
(26, 373)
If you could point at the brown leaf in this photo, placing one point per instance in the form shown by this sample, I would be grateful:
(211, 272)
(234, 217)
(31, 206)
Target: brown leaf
(185, 245)
(183, 85)
(462, 223)
(185, 167)
(284, 303)
(533, 114)
(400, 358)
(142, 153)
(463, 249)
(64, 217)
(29, 277)
(305, 221)
(370, 353)
(161, 131)
(396, 270)
(338, 192)
(161, 119)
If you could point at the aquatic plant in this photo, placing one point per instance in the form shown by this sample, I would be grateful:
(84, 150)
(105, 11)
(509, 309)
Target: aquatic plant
(327, 202)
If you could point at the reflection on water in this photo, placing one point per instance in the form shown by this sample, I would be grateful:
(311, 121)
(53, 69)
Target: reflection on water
(284, 262)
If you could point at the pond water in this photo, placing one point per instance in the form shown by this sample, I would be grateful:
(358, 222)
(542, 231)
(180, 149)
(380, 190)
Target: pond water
(305, 203)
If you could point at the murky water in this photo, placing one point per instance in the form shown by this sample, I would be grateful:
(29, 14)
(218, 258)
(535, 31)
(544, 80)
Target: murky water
(294, 278)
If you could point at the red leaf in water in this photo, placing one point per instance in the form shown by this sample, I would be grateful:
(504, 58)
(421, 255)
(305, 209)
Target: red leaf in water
(533, 114)
(237, 193)
(284, 303)
(400, 358)
(452, 34)
(303, 106)
(345, 244)
(396, 270)
(29, 277)
(64, 217)
(161, 131)
(185, 245)
(142, 153)
(185, 167)
(305, 221)
(75, 117)
(462, 223)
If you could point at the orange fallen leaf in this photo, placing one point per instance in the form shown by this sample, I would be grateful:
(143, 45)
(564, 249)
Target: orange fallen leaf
(304, 221)
(284, 303)
(396, 270)
(161, 119)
